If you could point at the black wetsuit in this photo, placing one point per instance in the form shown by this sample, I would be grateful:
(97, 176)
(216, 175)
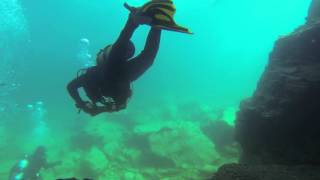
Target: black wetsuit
(30, 167)
(112, 78)
(31, 172)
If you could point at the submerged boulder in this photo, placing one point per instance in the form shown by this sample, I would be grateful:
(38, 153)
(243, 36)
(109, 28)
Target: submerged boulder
(314, 11)
(278, 128)
(267, 172)
(281, 122)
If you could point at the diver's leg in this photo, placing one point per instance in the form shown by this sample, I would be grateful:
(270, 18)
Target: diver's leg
(138, 65)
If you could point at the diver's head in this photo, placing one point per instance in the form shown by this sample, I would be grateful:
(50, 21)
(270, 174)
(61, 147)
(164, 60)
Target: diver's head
(103, 54)
(130, 50)
(40, 151)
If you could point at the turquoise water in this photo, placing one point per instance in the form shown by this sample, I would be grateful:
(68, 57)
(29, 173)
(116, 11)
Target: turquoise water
(195, 81)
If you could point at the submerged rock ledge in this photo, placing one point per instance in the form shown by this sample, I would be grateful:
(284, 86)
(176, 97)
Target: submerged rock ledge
(267, 172)
(278, 128)
(281, 122)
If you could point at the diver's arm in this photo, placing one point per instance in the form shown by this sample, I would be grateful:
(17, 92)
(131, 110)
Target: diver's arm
(121, 106)
(109, 107)
(73, 87)
(101, 109)
(152, 45)
(52, 164)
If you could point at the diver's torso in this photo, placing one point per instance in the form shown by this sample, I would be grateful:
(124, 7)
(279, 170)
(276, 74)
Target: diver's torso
(107, 83)
(28, 172)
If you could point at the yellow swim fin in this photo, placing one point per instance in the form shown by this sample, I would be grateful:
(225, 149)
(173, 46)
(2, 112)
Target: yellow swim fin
(162, 13)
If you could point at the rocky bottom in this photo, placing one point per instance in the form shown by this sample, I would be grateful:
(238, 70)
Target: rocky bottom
(267, 172)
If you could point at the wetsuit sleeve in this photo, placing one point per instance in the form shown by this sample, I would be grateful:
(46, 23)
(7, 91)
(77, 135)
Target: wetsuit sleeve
(52, 164)
(152, 45)
(138, 65)
(73, 87)
(106, 108)
(119, 47)
(120, 104)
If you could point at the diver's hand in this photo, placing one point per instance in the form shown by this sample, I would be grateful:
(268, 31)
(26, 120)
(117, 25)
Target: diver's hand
(136, 15)
(87, 107)
(138, 19)
(84, 104)
(130, 8)
(52, 164)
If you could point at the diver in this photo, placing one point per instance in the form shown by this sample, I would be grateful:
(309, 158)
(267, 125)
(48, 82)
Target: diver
(108, 84)
(30, 167)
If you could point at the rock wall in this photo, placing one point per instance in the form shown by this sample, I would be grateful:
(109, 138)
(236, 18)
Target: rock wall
(278, 128)
(314, 11)
(280, 124)
(267, 172)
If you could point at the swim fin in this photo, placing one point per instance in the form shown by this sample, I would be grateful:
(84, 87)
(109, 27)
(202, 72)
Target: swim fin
(162, 13)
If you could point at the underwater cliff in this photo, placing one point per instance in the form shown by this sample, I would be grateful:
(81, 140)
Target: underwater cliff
(278, 127)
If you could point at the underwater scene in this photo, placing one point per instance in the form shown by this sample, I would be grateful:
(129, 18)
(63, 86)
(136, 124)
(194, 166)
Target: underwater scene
(179, 117)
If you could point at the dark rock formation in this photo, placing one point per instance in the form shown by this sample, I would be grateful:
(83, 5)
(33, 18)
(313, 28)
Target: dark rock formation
(314, 12)
(281, 122)
(279, 127)
(267, 172)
